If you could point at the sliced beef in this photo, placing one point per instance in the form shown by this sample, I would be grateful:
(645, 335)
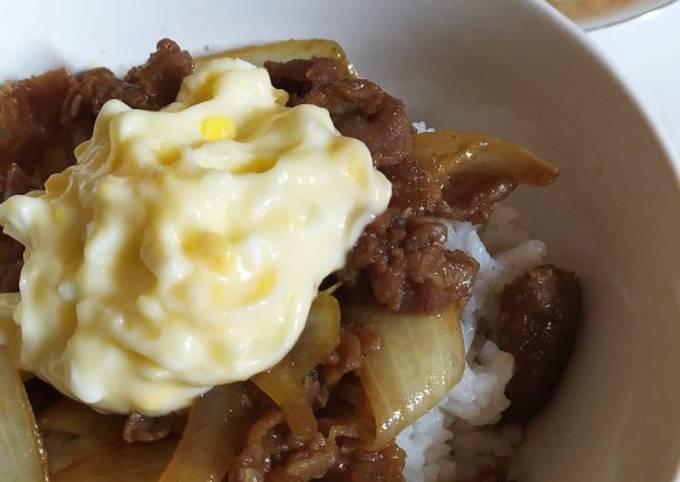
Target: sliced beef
(48, 115)
(361, 109)
(400, 264)
(355, 344)
(540, 313)
(141, 428)
(413, 192)
(272, 454)
(43, 118)
(160, 78)
(149, 86)
(265, 439)
(465, 196)
(29, 118)
(299, 76)
(385, 465)
(14, 181)
(473, 196)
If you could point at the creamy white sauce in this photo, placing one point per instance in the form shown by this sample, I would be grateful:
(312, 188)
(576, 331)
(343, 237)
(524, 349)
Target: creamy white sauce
(184, 248)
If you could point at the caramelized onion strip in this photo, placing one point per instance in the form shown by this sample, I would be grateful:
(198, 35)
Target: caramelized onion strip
(75, 432)
(21, 454)
(129, 463)
(284, 382)
(76, 418)
(444, 153)
(213, 436)
(421, 357)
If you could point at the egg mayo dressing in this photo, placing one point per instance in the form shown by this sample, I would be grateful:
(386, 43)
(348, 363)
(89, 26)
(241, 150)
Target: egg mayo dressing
(184, 248)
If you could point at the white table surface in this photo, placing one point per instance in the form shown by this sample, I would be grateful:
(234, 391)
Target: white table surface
(646, 51)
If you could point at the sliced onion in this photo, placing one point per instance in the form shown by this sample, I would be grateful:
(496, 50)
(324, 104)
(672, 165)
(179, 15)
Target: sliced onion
(421, 357)
(76, 418)
(284, 383)
(284, 51)
(213, 436)
(22, 457)
(443, 153)
(94, 432)
(129, 463)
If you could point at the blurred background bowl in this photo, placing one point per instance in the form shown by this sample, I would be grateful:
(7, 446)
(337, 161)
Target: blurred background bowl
(592, 14)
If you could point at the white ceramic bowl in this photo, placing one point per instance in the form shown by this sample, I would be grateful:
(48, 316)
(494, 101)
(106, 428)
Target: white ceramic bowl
(646, 50)
(516, 69)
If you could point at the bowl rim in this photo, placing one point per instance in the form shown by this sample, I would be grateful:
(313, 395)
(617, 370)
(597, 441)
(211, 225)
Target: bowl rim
(658, 133)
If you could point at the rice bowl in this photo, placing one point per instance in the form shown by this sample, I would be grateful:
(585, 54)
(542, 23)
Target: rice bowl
(506, 108)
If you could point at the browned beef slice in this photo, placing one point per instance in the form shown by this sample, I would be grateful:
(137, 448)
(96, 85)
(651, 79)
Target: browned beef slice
(141, 428)
(262, 442)
(473, 196)
(272, 454)
(400, 264)
(46, 116)
(381, 269)
(361, 109)
(413, 192)
(384, 465)
(15, 181)
(299, 76)
(55, 107)
(160, 78)
(149, 86)
(355, 344)
(465, 196)
(540, 313)
(29, 118)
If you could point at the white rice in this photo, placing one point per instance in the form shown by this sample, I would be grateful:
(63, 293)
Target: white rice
(455, 438)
